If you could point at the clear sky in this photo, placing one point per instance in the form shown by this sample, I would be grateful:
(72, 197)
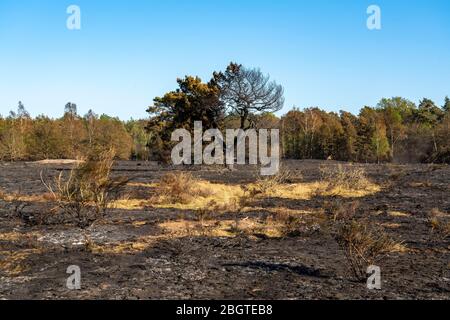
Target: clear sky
(128, 52)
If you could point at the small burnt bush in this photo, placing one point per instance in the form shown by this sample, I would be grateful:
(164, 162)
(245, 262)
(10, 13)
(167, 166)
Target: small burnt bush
(338, 210)
(180, 187)
(346, 177)
(86, 193)
(265, 185)
(363, 244)
(439, 223)
(299, 225)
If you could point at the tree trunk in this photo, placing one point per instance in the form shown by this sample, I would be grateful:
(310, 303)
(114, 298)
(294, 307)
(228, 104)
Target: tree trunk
(244, 117)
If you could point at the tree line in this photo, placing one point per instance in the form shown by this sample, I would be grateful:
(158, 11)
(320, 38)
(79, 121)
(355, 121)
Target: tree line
(69, 137)
(396, 129)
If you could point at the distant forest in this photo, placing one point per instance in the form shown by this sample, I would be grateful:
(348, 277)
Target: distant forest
(396, 130)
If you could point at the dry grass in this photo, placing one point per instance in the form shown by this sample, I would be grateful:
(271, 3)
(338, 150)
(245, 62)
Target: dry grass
(345, 177)
(309, 190)
(267, 185)
(292, 224)
(338, 210)
(391, 225)
(439, 223)
(399, 214)
(129, 247)
(16, 203)
(36, 198)
(15, 236)
(223, 228)
(281, 186)
(183, 191)
(206, 213)
(281, 223)
(130, 204)
(15, 248)
(181, 187)
(13, 263)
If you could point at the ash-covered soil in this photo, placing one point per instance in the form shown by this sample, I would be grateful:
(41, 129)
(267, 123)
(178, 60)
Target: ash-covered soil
(131, 256)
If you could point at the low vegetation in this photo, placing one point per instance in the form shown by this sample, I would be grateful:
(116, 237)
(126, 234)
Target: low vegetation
(363, 245)
(185, 191)
(86, 193)
(181, 187)
(363, 242)
(439, 223)
(266, 185)
(16, 205)
(345, 177)
(296, 225)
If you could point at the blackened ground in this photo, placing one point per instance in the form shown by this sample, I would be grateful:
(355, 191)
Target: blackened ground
(34, 259)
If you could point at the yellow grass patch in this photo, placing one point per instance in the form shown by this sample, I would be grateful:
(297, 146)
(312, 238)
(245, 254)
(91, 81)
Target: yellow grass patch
(128, 247)
(138, 224)
(142, 185)
(130, 204)
(351, 193)
(305, 191)
(225, 197)
(37, 198)
(301, 191)
(11, 236)
(278, 210)
(16, 236)
(423, 184)
(222, 228)
(58, 161)
(12, 262)
(222, 195)
(391, 225)
(400, 248)
(398, 214)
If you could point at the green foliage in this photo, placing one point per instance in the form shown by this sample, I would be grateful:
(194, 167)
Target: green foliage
(179, 109)
(141, 138)
(111, 133)
(70, 137)
(396, 111)
(395, 130)
(13, 134)
(46, 140)
(446, 106)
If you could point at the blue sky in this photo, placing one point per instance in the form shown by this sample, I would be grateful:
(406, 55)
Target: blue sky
(128, 52)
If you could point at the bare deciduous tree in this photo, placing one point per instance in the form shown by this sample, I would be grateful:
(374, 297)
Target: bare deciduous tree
(245, 91)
